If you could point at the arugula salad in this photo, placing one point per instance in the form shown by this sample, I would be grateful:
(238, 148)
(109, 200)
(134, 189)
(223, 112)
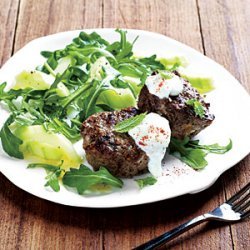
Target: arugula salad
(48, 105)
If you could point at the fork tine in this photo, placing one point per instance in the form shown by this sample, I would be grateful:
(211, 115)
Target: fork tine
(240, 202)
(242, 208)
(245, 215)
(239, 194)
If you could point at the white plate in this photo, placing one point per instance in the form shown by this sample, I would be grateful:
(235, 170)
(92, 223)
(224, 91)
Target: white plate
(229, 102)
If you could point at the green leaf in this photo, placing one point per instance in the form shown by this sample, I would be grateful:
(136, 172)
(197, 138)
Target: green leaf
(27, 119)
(150, 180)
(90, 39)
(10, 142)
(58, 126)
(128, 124)
(64, 102)
(2, 87)
(197, 106)
(11, 94)
(22, 97)
(86, 180)
(213, 148)
(52, 180)
(127, 69)
(46, 54)
(152, 63)
(90, 107)
(194, 154)
(89, 51)
(195, 158)
(53, 174)
(123, 48)
(51, 62)
(47, 167)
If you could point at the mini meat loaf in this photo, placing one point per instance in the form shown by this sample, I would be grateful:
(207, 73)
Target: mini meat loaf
(182, 118)
(115, 151)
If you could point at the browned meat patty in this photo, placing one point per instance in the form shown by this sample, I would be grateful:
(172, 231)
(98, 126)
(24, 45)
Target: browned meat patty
(182, 118)
(115, 151)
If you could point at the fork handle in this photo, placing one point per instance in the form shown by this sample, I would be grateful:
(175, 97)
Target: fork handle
(164, 238)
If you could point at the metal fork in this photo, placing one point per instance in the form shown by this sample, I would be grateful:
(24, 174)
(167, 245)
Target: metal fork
(235, 209)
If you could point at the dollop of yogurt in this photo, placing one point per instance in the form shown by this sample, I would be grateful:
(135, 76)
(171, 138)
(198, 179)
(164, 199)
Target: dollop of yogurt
(164, 85)
(152, 135)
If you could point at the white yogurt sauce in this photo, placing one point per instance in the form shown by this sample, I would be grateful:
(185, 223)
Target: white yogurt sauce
(152, 135)
(163, 87)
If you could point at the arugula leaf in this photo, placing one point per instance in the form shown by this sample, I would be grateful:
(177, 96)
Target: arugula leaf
(150, 180)
(213, 148)
(123, 48)
(86, 180)
(80, 51)
(22, 100)
(90, 108)
(58, 126)
(126, 125)
(51, 62)
(194, 154)
(128, 69)
(52, 180)
(55, 105)
(89, 51)
(152, 63)
(2, 87)
(198, 107)
(193, 157)
(47, 167)
(27, 119)
(90, 39)
(53, 174)
(46, 53)
(10, 142)
(7, 97)
(69, 99)
(11, 94)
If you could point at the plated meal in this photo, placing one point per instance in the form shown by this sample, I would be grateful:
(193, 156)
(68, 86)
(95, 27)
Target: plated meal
(98, 115)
